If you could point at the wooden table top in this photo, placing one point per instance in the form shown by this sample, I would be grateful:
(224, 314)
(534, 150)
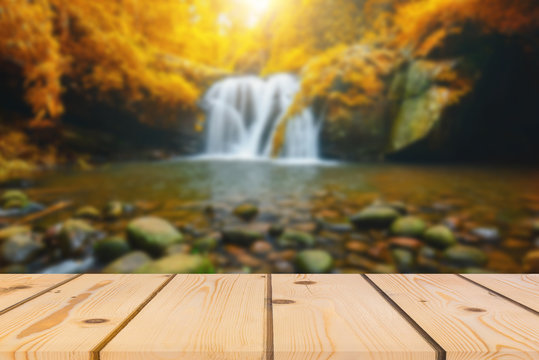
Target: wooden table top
(259, 316)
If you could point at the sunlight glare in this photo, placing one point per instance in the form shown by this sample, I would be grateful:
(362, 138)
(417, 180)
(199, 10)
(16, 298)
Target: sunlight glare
(256, 9)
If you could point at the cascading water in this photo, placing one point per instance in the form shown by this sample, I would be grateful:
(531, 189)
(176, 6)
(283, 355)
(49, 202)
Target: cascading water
(243, 114)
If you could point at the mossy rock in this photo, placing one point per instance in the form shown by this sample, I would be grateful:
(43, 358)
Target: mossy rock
(113, 210)
(374, 217)
(20, 249)
(465, 256)
(295, 239)
(128, 263)
(440, 236)
(110, 249)
(404, 260)
(205, 244)
(75, 236)
(408, 226)
(178, 264)
(246, 212)
(239, 236)
(10, 231)
(152, 234)
(88, 212)
(12, 199)
(314, 261)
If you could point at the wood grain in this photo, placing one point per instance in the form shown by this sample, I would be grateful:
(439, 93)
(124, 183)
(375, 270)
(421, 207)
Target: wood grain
(339, 317)
(15, 289)
(465, 319)
(198, 317)
(522, 288)
(70, 321)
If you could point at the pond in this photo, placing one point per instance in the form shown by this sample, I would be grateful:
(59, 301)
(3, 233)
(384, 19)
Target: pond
(490, 209)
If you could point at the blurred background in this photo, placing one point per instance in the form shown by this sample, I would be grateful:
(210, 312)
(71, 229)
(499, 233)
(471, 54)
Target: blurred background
(231, 136)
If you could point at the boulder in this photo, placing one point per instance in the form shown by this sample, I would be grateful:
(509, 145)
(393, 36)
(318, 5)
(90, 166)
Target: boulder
(178, 264)
(374, 217)
(409, 226)
(152, 234)
(241, 236)
(76, 237)
(295, 239)
(110, 249)
(465, 256)
(128, 263)
(246, 211)
(206, 244)
(531, 261)
(314, 261)
(88, 212)
(440, 236)
(12, 199)
(20, 249)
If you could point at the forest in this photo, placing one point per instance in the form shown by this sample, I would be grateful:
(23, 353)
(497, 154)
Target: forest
(408, 97)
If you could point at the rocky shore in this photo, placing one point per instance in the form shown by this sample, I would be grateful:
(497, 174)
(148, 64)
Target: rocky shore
(329, 234)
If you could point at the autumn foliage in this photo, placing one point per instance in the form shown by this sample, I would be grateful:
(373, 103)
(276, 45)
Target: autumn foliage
(164, 53)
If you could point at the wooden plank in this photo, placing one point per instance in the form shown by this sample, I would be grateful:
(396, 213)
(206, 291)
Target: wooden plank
(522, 288)
(16, 288)
(71, 321)
(339, 317)
(465, 319)
(198, 317)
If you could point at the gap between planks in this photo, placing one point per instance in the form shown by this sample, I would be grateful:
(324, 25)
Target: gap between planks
(39, 293)
(440, 352)
(96, 352)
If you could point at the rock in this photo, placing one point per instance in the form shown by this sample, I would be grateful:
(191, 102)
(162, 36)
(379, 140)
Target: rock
(409, 226)
(531, 261)
(465, 256)
(427, 265)
(535, 228)
(75, 237)
(113, 210)
(406, 243)
(10, 231)
(294, 239)
(178, 249)
(261, 247)
(339, 228)
(205, 244)
(20, 249)
(128, 263)
(110, 249)
(15, 269)
(440, 237)
(88, 212)
(384, 269)
(178, 264)
(377, 217)
(356, 246)
(283, 267)
(14, 199)
(428, 252)
(276, 230)
(379, 251)
(314, 261)
(241, 236)
(404, 260)
(248, 260)
(152, 234)
(360, 262)
(246, 211)
(487, 234)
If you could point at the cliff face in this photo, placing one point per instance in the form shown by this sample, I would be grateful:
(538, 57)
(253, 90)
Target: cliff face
(470, 99)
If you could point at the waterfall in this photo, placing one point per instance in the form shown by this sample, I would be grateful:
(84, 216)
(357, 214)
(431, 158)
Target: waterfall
(243, 114)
